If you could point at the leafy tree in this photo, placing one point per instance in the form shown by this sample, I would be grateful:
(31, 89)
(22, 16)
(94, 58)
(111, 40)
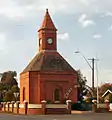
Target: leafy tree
(81, 80)
(110, 98)
(15, 88)
(9, 78)
(14, 73)
(3, 87)
(103, 88)
(81, 85)
(8, 85)
(9, 96)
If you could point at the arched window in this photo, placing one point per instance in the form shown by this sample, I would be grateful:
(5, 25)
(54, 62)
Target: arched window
(23, 93)
(56, 95)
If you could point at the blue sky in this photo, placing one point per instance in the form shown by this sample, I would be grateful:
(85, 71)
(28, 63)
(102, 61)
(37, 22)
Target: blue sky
(83, 25)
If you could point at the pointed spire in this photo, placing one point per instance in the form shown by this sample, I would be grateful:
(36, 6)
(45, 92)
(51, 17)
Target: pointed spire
(47, 22)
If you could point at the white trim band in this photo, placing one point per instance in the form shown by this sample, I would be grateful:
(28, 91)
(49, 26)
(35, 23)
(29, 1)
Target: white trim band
(56, 106)
(34, 106)
(21, 105)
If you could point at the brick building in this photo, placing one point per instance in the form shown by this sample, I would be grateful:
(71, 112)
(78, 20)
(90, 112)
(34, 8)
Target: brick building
(48, 76)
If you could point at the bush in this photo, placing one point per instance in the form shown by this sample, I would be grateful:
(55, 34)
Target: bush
(82, 106)
(49, 101)
(88, 100)
(110, 98)
(76, 106)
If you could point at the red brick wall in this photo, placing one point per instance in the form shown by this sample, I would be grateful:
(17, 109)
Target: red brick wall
(15, 110)
(21, 111)
(24, 83)
(34, 111)
(42, 86)
(34, 92)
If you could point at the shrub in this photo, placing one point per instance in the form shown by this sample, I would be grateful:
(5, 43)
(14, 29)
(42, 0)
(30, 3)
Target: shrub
(110, 98)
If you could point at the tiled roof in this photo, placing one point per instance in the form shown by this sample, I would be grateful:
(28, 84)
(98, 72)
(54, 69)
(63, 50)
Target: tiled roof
(35, 64)
(48, 61)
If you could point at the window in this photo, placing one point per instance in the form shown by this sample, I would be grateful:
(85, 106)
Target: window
(56, 95)
(23, 93)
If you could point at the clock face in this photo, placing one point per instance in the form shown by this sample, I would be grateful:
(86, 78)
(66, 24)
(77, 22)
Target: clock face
(49, 41)
(40, 41)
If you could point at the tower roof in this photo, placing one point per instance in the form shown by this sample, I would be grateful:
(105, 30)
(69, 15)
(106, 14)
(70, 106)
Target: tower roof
(47, 22)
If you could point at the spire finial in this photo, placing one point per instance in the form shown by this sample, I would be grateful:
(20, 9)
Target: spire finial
(47, 22)
(46, 9)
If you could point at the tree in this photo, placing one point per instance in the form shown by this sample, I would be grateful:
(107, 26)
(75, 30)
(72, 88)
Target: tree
(8, 86)
(9, 96)
(9, 78)
(81, 84)
(110, 98)
(103, 88)
(81, 80)
(15, 88)
(3, 87)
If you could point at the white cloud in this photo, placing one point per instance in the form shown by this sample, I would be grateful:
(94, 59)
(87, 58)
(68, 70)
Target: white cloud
(84, 21)
(15, 9)
(106, 14)
(88, 23)
(17, 55)
(97, 36)
(2, 36)
(10, 9)
(2, 42)
(110, 28)
(64, 36)
(109, 14)
(82, 18)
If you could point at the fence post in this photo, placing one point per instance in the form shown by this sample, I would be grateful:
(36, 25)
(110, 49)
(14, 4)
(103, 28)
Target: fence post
(8, 105)
(17, 106)
(43, 107)
(94, 106)
(1, 106)
(12, 106)
(107, 104)
(68, 103)
(4, 106)
(26, 107)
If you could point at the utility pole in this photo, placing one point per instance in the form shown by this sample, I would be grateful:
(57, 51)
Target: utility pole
(93, 61)
(91, 66)
(93, 73)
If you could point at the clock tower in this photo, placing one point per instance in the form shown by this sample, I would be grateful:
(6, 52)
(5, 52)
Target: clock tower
(48, 76)
(47, 34)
